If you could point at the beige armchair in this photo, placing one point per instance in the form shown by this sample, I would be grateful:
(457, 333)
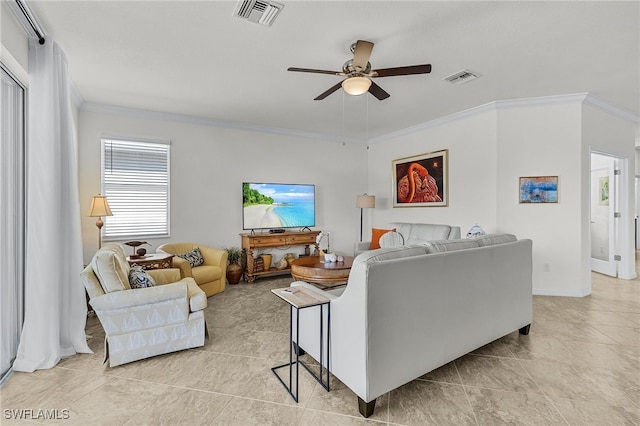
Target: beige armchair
(143, 322)
(211, 275)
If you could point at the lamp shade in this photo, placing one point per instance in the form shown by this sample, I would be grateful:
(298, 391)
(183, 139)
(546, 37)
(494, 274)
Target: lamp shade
(366, 201)
(356, 85)
(99, 207)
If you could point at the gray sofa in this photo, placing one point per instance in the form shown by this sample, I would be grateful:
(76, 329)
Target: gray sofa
(412, 233)
(408, 310)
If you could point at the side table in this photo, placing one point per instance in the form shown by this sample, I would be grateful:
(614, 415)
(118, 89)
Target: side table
(301, 298)
(153, 261)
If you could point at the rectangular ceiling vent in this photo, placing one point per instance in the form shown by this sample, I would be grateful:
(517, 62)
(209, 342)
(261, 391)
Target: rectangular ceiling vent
(462, 77)
(258, 11)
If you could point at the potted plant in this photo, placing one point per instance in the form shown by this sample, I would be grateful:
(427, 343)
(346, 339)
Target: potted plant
(234, 270)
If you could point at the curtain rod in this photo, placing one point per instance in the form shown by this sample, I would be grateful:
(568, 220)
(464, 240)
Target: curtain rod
(30, 19)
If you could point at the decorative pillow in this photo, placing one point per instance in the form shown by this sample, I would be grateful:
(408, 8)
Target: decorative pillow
(194, 257)
(111, 269)
(139, 278)
(375, 237)
(391, 239)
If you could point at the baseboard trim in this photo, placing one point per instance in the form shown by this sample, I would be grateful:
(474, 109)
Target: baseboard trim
(557, 292)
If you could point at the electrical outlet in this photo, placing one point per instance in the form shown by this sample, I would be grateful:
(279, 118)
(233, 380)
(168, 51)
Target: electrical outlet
(546, 267)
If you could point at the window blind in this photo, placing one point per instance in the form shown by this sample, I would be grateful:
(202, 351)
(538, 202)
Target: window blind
(135, 180)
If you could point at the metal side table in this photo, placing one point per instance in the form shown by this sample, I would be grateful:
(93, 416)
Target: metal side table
(302, 298)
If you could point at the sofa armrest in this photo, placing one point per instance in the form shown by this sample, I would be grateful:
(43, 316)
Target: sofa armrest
(165, 276)
(139, 297)
(214, 256)
(455, 233)
(361, 247)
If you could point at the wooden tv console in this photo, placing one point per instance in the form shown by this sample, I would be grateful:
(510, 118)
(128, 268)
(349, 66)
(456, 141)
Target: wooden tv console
(251, 242)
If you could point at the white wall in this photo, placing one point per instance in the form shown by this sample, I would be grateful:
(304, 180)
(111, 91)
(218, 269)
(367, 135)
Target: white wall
(14, 52)
(545, 140)
(472, 185)
(208, 166)
(488, 152)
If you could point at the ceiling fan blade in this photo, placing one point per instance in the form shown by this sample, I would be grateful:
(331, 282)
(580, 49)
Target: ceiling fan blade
(314, 71)
(361, 54)
(412, 69)
(378, 92)
(328, 92)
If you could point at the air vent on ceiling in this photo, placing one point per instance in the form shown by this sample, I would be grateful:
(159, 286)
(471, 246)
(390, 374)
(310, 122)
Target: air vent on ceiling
(258, 11)
(462, 77)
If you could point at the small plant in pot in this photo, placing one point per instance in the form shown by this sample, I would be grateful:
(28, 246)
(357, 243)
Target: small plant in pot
(234, 270)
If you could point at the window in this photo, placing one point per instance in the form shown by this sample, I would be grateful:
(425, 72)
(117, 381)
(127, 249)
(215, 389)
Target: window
(135, 180)
(12, 217)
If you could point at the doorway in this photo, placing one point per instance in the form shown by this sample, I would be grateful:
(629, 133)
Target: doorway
(603, 210)
(612, 235)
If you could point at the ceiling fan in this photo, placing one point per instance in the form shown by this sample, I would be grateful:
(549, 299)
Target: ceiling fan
(358, 73)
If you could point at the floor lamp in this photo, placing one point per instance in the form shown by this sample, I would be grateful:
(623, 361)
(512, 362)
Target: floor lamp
(365, 201)
(99, 207)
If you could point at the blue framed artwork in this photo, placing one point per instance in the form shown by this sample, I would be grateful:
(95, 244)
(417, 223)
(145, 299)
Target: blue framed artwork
(538, 189)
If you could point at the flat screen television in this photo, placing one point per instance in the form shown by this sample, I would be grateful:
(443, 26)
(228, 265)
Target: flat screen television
(278, 205)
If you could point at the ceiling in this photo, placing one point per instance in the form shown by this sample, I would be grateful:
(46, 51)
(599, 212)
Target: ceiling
(195, 58)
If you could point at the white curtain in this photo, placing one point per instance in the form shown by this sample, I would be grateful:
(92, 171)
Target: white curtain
(11, 218)
(55, 308)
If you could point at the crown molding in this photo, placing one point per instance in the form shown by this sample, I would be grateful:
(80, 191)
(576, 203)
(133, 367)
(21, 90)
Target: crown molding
(611, 109)
(190, 119)
(585, 98)
(436, 122)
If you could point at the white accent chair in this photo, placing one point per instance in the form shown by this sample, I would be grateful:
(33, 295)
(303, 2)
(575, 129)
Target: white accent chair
(143, 322)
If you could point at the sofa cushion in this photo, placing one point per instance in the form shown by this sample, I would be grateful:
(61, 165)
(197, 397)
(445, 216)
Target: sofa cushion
(376, 233)
(111, 269)
(117, 247)
(139, 278)
(493, 239)
(442, 246)
(194, 257)
(391, 239)
(427, 232)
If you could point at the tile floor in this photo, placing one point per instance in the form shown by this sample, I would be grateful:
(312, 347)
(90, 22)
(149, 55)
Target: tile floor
(580, 365)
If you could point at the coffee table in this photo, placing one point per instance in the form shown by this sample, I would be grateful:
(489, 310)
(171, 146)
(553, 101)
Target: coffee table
(324, 275)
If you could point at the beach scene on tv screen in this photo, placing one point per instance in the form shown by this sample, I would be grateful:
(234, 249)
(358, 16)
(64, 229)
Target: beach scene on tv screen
(277, 205)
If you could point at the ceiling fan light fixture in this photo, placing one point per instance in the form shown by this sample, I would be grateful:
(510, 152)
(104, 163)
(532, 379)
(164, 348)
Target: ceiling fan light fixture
(356, 85)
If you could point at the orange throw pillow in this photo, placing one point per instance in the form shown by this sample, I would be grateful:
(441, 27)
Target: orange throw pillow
(375, 237)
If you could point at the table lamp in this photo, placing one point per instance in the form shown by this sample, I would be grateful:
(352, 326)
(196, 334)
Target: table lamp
(99, 207)
(365, 201)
